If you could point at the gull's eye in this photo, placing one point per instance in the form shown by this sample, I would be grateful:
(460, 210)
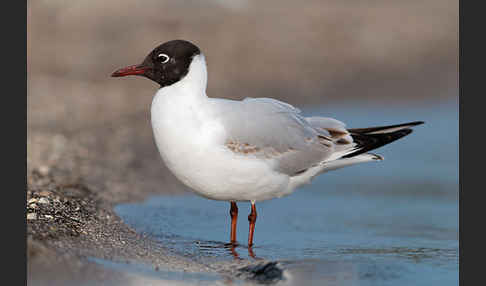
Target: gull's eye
(163, 58)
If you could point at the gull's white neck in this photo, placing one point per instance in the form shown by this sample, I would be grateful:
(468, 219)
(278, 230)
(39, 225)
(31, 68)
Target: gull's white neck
(181, 122)
(193, 84)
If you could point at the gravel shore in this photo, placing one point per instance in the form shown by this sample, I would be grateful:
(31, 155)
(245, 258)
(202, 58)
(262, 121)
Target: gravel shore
(68, 223)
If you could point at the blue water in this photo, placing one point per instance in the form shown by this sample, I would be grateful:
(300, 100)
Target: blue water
(144, 270)
(393, 222)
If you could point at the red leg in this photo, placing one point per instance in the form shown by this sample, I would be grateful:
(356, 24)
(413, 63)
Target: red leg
(251, 253)
(252, 219)
(234, 218)
(233, 252)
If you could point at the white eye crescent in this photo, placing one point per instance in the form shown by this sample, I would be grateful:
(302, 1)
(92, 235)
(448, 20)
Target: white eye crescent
(163, 58)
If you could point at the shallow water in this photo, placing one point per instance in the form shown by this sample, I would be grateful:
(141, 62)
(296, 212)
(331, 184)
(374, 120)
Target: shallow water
(143, 274)
(393, 222)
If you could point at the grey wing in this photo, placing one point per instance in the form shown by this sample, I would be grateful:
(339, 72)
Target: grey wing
(275, 130)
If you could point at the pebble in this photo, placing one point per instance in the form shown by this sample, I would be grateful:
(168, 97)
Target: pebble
(264, 273)
(43, 201)
(48, 216)
(44, 193)
(31, 216)
(33, 206)
(44, 170)
(31, 201)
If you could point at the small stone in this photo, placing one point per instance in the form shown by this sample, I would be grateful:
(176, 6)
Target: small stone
(48, 216)
(263, 273)
(43, 201)
(31, 201)
(31, 216)
(44, 170)
(44, 193)
(33, 206)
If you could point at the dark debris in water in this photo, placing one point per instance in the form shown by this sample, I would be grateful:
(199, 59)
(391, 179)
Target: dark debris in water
(262, 273)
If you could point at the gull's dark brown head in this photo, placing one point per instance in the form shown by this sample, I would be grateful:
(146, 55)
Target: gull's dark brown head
(166, 64)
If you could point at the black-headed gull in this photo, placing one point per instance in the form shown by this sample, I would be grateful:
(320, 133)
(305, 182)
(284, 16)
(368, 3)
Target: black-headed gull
(250, 150)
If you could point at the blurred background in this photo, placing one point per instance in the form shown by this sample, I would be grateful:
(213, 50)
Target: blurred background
(85, 126)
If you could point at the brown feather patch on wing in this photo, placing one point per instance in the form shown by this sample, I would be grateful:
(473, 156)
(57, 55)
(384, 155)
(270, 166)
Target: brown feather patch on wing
(336, 133)
(247, 149)
(243, 148)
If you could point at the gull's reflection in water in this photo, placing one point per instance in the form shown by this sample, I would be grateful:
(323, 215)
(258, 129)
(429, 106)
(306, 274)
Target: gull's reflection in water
(224, 248)
(231, 247)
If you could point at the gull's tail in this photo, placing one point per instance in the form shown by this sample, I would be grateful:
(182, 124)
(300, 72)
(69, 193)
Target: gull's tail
(367, 139)
(350, 153)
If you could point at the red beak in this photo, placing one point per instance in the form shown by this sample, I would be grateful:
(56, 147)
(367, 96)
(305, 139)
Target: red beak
(130, 70)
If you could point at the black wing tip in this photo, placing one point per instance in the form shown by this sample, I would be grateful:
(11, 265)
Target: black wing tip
(381, 128)
(415, 123)
(367, 139)
(404, 132)
(412, 123)
(368, 142)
